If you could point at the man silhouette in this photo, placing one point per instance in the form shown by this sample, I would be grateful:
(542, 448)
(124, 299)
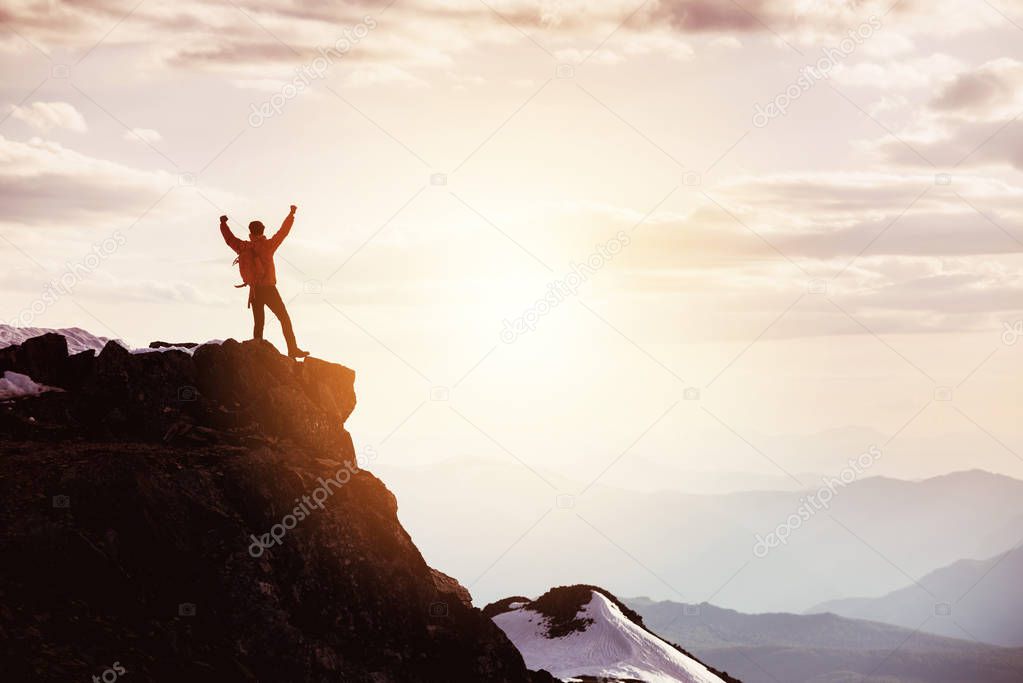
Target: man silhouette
(256, 257)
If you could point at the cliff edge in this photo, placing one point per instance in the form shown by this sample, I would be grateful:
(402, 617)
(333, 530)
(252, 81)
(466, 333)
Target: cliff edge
(199, 514)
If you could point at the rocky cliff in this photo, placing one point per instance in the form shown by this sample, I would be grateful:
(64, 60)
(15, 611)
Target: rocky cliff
(200, 514)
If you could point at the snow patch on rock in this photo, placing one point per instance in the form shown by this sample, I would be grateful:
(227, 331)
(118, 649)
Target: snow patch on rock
(16, 385)
(612, 646)
(173, 347)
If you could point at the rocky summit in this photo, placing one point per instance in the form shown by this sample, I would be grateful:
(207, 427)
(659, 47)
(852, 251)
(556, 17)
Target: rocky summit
(198, 514)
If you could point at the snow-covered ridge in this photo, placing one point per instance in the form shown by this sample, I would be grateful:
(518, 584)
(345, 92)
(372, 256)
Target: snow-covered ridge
(79, 340)
(17, 385)
(603, 642)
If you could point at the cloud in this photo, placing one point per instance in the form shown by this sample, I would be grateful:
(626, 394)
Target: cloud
(726, 41)
(940, 249)
(381, 74)
(821, 221)
(899, 74)
(959, 145)
(904, 262)
(973, 120)
(274, 33)
(48, 115)
(886, 44)
(994, 90)
(810, 22)
(43, 180)
(164, 292)
(659, 43)
(888, 103)
(143, 135)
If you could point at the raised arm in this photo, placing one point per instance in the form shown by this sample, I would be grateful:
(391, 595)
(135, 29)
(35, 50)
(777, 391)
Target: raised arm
(279, 236)
(232, 241)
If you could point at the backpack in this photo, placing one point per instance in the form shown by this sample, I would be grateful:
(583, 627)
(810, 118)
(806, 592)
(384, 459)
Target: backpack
(250, 265)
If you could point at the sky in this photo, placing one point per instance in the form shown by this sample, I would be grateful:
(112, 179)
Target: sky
(750, 237)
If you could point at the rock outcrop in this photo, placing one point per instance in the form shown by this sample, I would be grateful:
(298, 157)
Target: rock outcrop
(201, 515)
(585, 633)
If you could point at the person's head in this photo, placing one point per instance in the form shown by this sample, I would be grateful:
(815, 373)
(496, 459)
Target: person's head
(256, 229)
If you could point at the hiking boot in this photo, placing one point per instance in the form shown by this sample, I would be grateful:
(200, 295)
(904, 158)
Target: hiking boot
(297, 353)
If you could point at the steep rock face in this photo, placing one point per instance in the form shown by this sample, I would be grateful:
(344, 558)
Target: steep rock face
(203, 517)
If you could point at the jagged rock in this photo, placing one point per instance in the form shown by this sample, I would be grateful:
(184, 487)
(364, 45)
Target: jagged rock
(42, 358)
(136, 510)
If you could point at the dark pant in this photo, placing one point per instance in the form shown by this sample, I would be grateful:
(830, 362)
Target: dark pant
(267, 295)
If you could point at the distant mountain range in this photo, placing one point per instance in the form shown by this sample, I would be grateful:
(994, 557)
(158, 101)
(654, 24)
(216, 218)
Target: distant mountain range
(973, 599)
(824, 648)
(878, 534)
